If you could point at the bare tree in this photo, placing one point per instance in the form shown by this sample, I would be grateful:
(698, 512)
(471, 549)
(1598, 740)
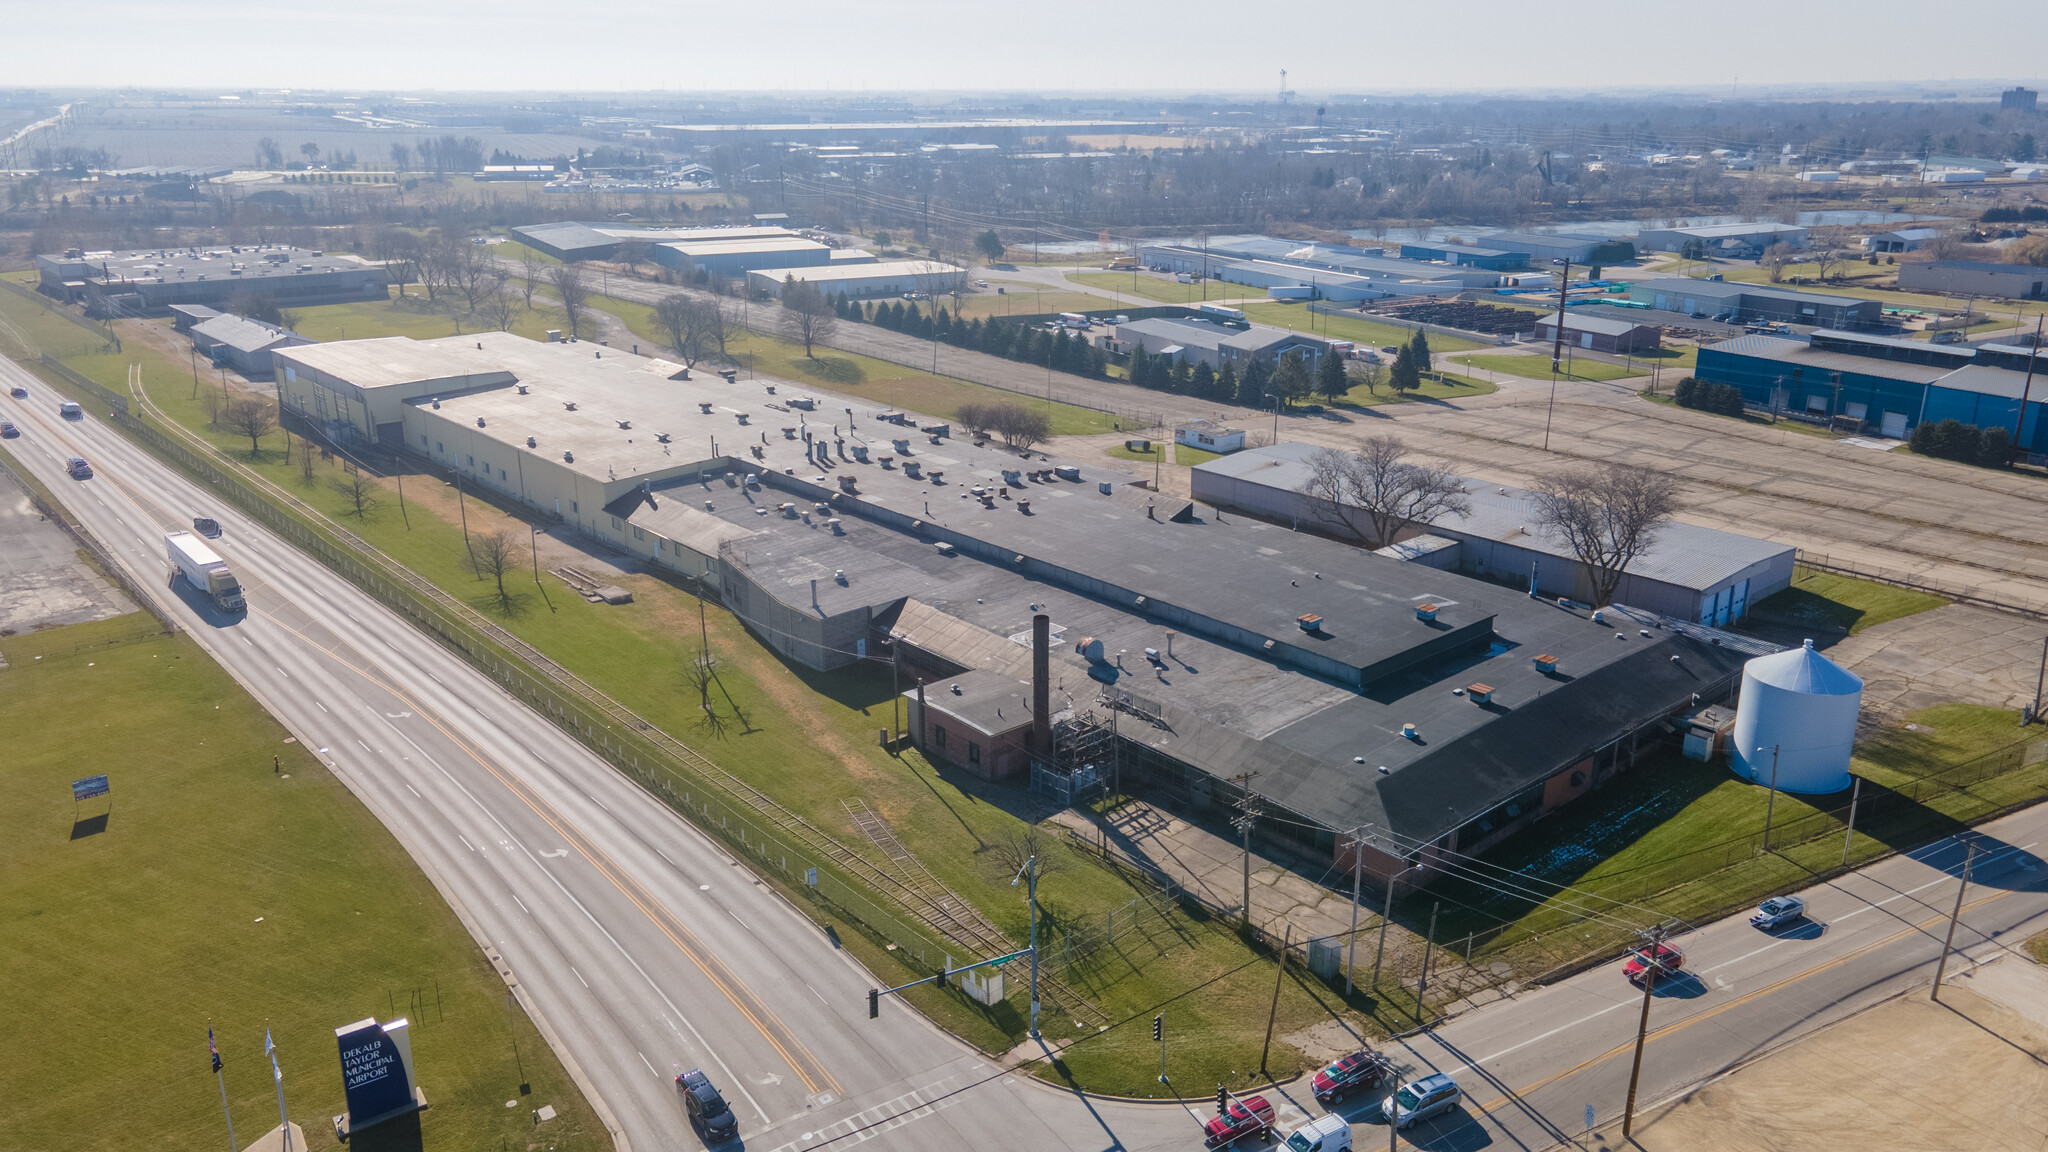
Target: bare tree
(688, 322)
(807, 317)
(359, 491)
(1375, 492)
(1830, 248)
(634, 253)
(1020, 843)
(400, 251)
(491, 555)
(252, 418)
(306, 463)
(529, 271)
(1775, 258)
(495, 304)
(574, 291)
(1607, 514)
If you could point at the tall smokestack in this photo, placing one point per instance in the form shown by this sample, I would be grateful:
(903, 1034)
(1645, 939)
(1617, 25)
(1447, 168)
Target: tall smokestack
(1041, 684)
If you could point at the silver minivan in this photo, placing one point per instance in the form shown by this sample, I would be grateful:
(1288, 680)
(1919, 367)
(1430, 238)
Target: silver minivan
(1421, 1099)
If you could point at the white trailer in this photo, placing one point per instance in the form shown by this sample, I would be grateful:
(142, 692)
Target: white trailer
(206, 571)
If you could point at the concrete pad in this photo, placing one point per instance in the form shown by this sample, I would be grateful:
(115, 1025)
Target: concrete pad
(46, 582)
(1954, 653)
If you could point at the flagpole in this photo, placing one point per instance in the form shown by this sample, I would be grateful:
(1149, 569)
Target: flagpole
(222, 1080)
(284, 1124)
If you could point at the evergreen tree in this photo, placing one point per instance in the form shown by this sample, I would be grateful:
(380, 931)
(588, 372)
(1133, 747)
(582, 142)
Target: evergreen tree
(1420, 354)
(1331, 379)
(1226, 384)
(1257, 382)
(1292, 381)
(1180, 377)
(1203, 382)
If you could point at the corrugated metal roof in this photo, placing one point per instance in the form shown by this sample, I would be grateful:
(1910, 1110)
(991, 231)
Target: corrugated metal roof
(241, 333)
(1574, 322)
(1802, 355)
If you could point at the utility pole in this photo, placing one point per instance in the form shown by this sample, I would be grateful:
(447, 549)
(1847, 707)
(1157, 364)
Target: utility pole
(1279, 975)
(1357, 867)
(1771, 804)
(2039, 678)
(1855, 793)
(1428, 943)
(1386, 915)
(2026, 391)
(1557, 349)
(1941, 966)
(1248, 814)
(1654, 938)
(1159, 1034)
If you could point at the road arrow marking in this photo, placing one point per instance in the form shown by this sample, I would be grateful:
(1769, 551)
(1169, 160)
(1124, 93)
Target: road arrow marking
(557, 852)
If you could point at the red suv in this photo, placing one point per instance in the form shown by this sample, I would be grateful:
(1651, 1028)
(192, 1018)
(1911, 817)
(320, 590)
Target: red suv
(1250, 1116)
(1354, 1073)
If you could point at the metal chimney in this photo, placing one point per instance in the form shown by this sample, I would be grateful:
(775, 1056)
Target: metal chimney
(1041, 684)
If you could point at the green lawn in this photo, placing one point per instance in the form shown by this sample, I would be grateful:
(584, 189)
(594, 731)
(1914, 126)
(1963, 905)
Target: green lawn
(1841, 604)
(875, 381)
(1024, 299)
(1183, 455)
(1677, 838)
(220, 894)
(415, 316)
(1435, 386)
(1358, 330)
(1537, 367)
(2037, 947)
(32, 326)
(1165, 289)
(516, 252)
(808, 738)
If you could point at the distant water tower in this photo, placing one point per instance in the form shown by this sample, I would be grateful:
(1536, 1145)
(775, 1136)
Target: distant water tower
(1804, 706)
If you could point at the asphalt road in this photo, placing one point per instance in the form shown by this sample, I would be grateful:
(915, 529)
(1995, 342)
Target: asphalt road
(641, 947)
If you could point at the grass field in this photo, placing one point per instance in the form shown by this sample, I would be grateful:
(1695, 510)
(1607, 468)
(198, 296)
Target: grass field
(1842, 604)
(1370, 333)
(1024, 299)
(1536, 367)
(808, 738)
(875, 381)
(1435, 386)
(219, 894)
(1164, 289)
(2037, 947)
(1672, 836)
(413, 315)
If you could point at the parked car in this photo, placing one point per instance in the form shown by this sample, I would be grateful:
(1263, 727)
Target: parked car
(1354, 1073)
(78, 468)
(1778, 910)
(1330, 1133)
(1252, 1115)
(1390, 349)
(1666, 959)
(709, 1113)
(1430, 1096)
(8, 430)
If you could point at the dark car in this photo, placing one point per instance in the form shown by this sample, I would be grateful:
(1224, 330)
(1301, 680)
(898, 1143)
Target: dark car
(79, 469)
(18, 392)
(206, 526)
(8, 429)
(1354, 1073)
(710, 1115)
(1250, 1116)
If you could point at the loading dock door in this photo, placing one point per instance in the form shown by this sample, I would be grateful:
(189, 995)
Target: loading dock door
(1895, 425)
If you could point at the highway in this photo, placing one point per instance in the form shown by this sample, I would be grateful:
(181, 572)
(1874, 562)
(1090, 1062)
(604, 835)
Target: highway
(640, 947)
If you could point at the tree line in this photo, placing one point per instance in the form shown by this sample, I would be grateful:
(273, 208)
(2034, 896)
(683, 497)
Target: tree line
(994, 335)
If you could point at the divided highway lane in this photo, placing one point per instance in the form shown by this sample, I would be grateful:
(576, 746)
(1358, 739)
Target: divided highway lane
(640, 945)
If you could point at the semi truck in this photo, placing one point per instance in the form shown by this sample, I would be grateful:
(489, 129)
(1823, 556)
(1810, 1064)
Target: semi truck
(206, 571)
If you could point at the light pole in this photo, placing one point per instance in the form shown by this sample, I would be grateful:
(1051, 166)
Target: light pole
(1771, 804)
(1030, 871)
(1276, 416)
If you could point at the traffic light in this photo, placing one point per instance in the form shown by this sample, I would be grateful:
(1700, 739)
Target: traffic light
(1158, 1026)
(1222, 1100)
(874, 1003)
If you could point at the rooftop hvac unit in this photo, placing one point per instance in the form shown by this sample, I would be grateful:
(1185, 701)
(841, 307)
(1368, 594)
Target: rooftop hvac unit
(1545, 663)
(522, 389)
(943, 548)
(624, 425)
(479, 421)
(1426, 612)
(833, 524)
(568, 457)
(1105, 487)
(532, 443)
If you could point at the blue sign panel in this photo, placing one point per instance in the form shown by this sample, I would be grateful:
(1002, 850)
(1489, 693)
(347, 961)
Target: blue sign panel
(373, 1074)
(89, 787)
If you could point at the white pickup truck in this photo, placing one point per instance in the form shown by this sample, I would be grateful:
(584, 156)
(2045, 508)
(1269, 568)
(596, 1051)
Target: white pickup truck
(205, 569)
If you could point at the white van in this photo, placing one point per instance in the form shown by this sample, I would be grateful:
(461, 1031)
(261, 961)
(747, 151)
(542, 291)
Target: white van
(1329, 1133)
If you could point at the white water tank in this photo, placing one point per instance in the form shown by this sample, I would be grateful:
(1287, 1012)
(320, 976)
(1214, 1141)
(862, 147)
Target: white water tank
(1803, 706)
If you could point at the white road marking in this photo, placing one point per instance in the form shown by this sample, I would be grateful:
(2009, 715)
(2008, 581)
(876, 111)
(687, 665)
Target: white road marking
(664, 856)
(415, 792)
(282, 672)
(465, 841)
(643, 1060)
(579, 976)
(245, 640)
(321, 706)
(736, 916)
(556, 854)
(521, 903)
(818, 994)
(600, 804)
(363, 746)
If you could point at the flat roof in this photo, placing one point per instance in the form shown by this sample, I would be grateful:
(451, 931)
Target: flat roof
(1574, 321)
(848, 270)
(1722, 289)
(1801, 353)
(242, 333)
(1706, 231)
(1987, 266)
(1464, 249)
(393, 361)
(250, 263)
(723, 245)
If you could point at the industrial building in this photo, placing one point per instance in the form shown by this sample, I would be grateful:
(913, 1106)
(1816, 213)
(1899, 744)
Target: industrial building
(1742, 241)
(150, 282)
(1220, 253)
(860, 279)
(737, 257)
(1885, 385)
(242, 344)
(1601, 334)
(1207, 342)
(1445, 711)
(1692, 573)
(1544, 247)
(1757, 302)
(1491, 255)
(1974, 278)
(1902, 240)
(572, 240)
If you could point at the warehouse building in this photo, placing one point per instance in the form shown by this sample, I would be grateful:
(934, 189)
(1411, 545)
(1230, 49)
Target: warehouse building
(1281, 279)
(1756, 302)
(1689, 572)
(242, 344)
(1884, 385)
(1371, 263)
(1544, 247)
(1902, 240)
(1206, 342)
(1324, 669)
(1600, 334)
(860, 280)
(1974, 278)
(150, 282)
(1742, 241)
(1491, 255)
(572, 240)
(735, 258)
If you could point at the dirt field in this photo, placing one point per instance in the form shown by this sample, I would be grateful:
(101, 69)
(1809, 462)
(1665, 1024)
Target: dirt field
(1909, 1076)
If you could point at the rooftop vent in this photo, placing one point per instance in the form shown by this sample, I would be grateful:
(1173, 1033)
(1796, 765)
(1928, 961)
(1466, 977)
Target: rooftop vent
(568, 457)
(532, 443)
(1546, 664)
(943, 548)
(1408, 732)
(742, 416)
(833, 524)
(522, 389)
(1310, 622)
(1480, 693)
(479, 421)
(1426, 611)
(625, 424)
(840, 576)
(661, 437)
(704, 406)
(569, 404)
(437, 403)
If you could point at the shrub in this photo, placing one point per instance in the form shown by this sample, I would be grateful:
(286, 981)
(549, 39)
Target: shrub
(1994, 445)
(1688, 393)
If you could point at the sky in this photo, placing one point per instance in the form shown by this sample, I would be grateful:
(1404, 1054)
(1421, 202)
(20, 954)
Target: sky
(1057, 46)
